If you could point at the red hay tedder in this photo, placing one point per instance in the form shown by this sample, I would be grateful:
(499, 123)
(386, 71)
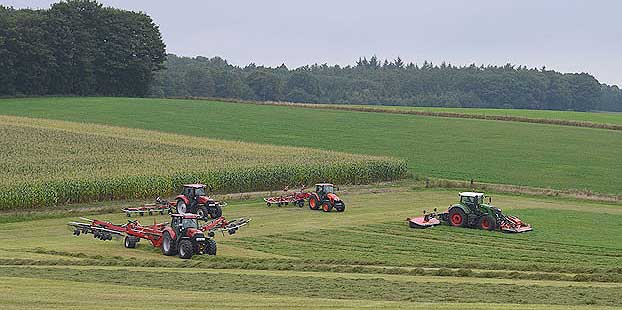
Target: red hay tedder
(295, 198)
(323, 198)
(183, 236)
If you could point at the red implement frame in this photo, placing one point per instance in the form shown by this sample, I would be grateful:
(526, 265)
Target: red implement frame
(287, 198)
(104, 230)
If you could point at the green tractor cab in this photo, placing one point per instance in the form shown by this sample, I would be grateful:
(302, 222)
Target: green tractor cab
(472, 211)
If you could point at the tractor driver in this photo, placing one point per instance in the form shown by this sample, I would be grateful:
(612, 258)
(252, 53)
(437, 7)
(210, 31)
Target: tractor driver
(470, 202)
(320, 190)
(194, 199)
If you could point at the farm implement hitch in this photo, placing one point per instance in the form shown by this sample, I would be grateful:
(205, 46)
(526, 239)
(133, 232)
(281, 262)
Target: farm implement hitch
(183, 235)
(472, 212)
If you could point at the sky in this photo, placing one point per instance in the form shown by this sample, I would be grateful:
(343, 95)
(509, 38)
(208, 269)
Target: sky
(565, 35)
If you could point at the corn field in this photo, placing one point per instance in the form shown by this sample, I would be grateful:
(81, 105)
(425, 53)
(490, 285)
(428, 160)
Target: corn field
(48, 163)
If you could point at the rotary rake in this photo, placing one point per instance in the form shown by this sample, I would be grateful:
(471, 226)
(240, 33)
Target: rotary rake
(183, 235)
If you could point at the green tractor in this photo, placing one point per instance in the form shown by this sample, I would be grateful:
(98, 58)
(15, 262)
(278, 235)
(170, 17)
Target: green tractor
(472, 211)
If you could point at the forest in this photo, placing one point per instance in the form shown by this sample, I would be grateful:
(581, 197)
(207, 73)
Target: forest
(372, 81)
(81, 48)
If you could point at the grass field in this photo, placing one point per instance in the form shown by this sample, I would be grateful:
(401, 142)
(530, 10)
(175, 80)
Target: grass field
(614, 118)
(560, 157)
(367, 256)
(59, 150)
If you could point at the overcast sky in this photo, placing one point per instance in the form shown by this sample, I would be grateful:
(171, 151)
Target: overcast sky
(565, 35)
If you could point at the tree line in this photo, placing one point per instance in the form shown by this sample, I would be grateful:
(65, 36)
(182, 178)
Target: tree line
(78, 47)
(372, 81)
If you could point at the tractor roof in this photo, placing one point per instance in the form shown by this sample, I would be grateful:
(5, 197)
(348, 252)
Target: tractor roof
(323, 184)
(471, 194)
(194, 185)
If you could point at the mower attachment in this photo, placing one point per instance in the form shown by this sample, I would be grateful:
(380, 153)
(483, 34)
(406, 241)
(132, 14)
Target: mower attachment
(423, 221)
(512, 224)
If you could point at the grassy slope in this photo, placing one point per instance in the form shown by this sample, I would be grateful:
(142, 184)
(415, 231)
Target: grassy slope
(95, 162)
(507, 152)
(54, 150)
(567, 240)
(594, 117)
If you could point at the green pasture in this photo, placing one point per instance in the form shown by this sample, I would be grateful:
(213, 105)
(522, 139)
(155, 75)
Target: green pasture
(560, 157)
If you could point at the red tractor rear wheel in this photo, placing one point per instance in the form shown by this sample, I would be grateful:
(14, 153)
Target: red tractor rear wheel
(169, 246)
(314, 204)
(457, 217)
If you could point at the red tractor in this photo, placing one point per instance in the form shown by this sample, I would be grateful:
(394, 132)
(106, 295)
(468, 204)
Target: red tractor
(183, 236)
(325, 198)
(194, 199)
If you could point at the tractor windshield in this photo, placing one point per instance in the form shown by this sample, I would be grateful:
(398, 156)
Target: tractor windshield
(328, 189)
(472, 199)
(190, 223)
(200, 192)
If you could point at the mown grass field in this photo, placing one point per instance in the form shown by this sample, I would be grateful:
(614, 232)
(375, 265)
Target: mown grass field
(538, 155)
(294, 257)
(614, 118)
(47, 162)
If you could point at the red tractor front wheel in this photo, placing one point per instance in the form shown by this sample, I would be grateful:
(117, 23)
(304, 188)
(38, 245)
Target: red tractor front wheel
(327, 206)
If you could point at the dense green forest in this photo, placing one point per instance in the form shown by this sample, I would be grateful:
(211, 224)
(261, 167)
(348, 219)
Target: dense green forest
(78, 47)
(371, 81)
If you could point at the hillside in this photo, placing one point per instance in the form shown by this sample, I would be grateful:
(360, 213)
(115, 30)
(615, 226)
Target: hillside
(539, 155)
(48, 162)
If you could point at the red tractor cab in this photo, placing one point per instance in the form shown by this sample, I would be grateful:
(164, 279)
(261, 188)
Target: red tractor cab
(185, 237)
(194, 199)
(325, 198)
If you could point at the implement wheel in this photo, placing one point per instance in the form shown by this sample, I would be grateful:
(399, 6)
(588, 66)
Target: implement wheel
(487, 222)
(314, 204)
(457, 217)
(130, 242)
